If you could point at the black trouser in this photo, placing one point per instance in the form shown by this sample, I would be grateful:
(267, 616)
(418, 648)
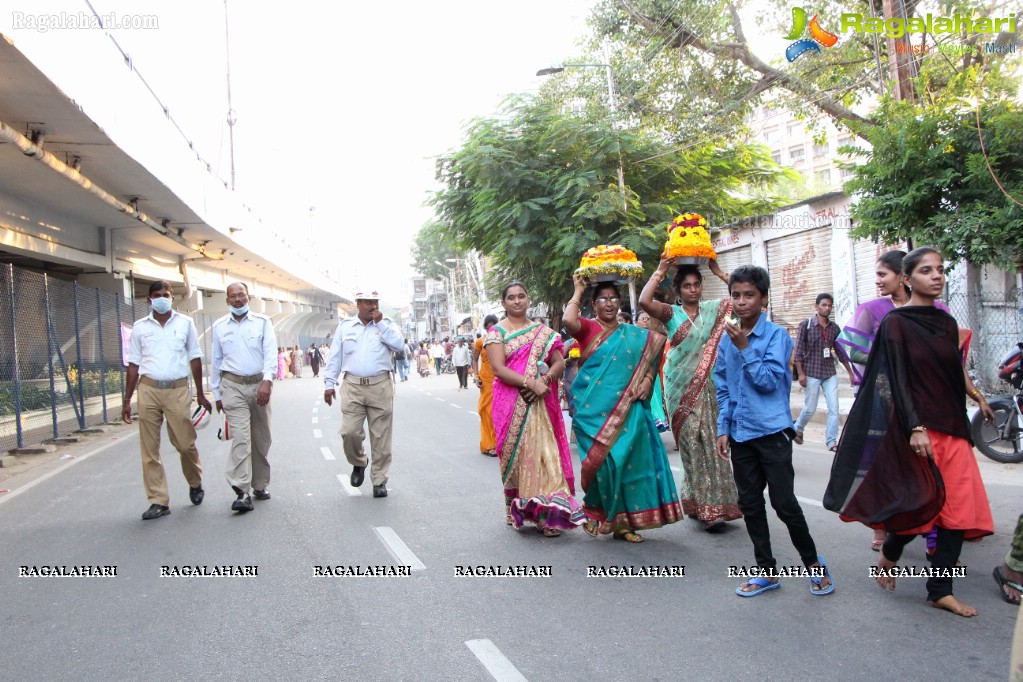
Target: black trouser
(767, 462)
(946, 554)
(463, 375)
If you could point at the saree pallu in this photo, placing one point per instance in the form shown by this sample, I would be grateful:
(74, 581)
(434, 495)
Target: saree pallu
(625, 472)
(707, 488)
(536, 466)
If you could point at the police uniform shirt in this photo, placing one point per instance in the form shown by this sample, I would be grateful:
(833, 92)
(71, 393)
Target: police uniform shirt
(362, 350)
(163, 352)
(243, 346)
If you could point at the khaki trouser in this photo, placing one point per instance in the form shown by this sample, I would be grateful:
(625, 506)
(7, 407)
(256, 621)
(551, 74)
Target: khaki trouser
(172, 404)
(375, 404)
(247, 465)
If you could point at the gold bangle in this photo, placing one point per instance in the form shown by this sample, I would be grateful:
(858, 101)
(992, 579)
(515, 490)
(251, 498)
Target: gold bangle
(920, 429)
(658, 274)
(571, 302)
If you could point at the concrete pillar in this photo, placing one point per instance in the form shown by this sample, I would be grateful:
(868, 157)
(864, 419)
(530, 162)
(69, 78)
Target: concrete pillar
(113, 282)
(189, 304)
(215, 303)
(271, 307)
(287, 307)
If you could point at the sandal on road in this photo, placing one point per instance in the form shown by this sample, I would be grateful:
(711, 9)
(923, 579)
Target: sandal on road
(591, 528)
(763, 585)
(816, 581)
(1003, 582)
(628, 536)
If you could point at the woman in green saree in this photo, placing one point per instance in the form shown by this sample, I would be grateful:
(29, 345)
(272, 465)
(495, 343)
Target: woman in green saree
(626, 479)
(694, 330)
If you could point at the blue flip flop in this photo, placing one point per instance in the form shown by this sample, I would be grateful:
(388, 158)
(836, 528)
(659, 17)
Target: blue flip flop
(814, 580)
(763, 583)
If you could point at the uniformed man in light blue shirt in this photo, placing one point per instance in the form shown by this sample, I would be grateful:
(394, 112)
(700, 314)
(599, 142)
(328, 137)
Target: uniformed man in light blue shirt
(361, 352)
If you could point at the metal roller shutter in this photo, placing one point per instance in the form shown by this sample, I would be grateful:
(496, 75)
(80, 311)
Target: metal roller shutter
(800, 268)
(865, 255)
(728, 260)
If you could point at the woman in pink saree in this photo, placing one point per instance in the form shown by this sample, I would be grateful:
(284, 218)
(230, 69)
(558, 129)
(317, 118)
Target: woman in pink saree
(536, 467)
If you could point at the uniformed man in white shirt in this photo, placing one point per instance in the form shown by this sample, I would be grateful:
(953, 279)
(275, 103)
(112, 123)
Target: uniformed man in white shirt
(164, 348)
(361, 350)
(244, 362)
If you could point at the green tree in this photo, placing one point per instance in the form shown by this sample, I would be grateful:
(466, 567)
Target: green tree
(535, 186)
(688, 68)
(432, 246)
(928, 179)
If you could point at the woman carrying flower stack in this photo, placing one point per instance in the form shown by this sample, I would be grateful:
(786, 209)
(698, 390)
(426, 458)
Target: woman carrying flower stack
(694, 329)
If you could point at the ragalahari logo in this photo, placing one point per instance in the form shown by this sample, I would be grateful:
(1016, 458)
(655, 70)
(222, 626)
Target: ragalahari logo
(818, 36)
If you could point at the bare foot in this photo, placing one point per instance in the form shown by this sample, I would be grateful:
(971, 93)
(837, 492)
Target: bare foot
(877, 541)
(950, 603)
(885, 582)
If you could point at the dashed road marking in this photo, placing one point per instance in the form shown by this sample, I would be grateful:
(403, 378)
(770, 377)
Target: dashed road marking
(455, 406)
(317, 433)
(327, 454)
(441, 399)
(398, 549)
(807, 500)
(316, 420)
(346, 484)
(499, 667)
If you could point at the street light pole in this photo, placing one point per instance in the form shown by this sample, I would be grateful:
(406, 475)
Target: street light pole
(612, 105)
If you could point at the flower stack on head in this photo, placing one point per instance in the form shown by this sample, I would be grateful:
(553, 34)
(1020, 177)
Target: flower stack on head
(607, 263)
(688, 239)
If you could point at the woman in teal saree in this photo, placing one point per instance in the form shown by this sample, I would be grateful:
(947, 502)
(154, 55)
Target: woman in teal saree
(625, 476)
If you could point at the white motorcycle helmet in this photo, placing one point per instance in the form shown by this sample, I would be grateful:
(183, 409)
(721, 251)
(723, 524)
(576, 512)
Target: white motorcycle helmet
(200, 418)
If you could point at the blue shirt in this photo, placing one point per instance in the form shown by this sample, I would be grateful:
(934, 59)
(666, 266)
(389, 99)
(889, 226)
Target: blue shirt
(362, 350)
(753, 385)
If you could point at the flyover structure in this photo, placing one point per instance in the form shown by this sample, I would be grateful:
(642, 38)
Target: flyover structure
(86, 197)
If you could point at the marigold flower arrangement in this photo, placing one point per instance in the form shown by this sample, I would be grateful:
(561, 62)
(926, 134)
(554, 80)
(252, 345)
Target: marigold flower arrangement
(573, 352)
(609, 260)
(688, 238)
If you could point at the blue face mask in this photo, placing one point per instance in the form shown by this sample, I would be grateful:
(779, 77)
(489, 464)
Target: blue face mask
(161, 305)
(240, 312)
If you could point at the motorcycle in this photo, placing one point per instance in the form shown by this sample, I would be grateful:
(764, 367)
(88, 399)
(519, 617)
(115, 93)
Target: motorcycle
(1002, 440)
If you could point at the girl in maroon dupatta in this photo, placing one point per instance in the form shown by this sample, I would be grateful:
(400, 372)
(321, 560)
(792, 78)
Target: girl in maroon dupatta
(905, 462)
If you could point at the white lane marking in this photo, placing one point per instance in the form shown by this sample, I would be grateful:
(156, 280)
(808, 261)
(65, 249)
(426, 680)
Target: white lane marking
(398, 549)
(428, 393)
(676, 470)
(807, 500)
(455, 406)
(499, 667)
(327, 454)
(7, 497)
(441, 399)
(346, 484)
(316, 409)
(317, 433)
(316, 420)
(471, 412)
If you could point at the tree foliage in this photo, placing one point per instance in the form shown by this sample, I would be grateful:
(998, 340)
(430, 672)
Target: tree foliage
(536, 185)
(690, 68)
(430, 248)
(927, 179)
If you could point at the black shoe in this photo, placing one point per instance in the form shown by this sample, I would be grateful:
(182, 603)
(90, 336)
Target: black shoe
(242, 504)
(261, 494)
(155, 511)
(380, 490)
(196, 494)
(358, 476)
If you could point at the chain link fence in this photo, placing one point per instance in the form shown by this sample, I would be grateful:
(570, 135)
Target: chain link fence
(997, 324)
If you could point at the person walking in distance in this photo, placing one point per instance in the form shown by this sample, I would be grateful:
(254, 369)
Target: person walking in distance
(437, 355)
(163, 349)
(461, 356)
(244, 360)
(361, 351)
(815, 360)
(315, 359)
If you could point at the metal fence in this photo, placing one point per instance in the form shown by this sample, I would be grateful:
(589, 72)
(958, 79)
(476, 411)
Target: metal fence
(60, 356)
(997, 324)
(62, 351)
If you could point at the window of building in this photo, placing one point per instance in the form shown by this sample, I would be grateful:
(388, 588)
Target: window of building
(770, 134)
(795, 128)
(820, 150)
(797, 154)
(776, 157)
(847, 174)
(823, 177)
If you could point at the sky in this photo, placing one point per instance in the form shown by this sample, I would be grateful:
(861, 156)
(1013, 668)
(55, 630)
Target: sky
(341, 108)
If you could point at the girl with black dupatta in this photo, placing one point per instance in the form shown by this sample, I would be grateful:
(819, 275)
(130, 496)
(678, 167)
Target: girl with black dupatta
(905, 462)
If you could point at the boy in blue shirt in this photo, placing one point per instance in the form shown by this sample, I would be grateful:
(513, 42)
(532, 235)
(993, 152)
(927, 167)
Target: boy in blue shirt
(755, 421)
